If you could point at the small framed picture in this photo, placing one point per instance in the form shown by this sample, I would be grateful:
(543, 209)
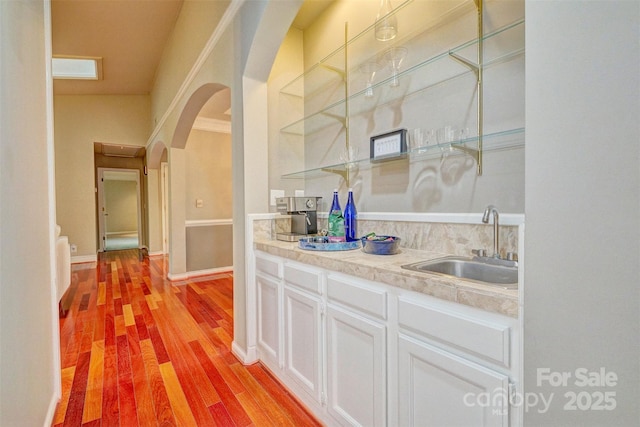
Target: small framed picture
(389, 146)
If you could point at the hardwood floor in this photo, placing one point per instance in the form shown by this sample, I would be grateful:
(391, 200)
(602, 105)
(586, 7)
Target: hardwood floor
(137, 349)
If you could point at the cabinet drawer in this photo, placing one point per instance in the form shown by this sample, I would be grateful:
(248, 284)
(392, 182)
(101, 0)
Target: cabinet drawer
(358, 294)
(269, 266)
(489, 340)
(305, 278)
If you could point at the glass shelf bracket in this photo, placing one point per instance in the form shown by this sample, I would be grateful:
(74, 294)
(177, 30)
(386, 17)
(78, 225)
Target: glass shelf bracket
(477, 69)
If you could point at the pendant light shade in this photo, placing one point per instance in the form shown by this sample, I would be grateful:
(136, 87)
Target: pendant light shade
(386, 27)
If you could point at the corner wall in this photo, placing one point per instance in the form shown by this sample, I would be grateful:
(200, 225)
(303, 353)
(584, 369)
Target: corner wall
(582, 246)
(29, 370)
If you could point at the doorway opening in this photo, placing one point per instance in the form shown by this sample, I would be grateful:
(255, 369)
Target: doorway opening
(119, 208)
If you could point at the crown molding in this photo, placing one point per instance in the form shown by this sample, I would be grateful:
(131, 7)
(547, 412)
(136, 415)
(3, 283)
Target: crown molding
(212, 125)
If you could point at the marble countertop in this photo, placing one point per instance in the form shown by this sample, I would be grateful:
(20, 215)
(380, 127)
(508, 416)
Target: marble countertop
(387, 269)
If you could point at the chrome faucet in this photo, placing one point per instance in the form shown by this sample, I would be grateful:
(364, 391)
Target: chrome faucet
(485, 218)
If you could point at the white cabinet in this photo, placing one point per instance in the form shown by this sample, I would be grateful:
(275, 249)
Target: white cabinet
(356, 366)
(269, 310)
(303, 329)
(454, 364)
(356, 352)
(437, 388)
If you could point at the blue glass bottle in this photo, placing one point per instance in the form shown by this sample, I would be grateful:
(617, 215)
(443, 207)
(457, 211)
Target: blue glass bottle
(350, 219)
(336, 221)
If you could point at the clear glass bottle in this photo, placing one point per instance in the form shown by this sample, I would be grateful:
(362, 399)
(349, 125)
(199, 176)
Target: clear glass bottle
(336, 221)
(350, 219)
(386, 27)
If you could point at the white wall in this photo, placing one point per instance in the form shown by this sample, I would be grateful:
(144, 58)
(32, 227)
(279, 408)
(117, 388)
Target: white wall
(582, 245)
(28, 375)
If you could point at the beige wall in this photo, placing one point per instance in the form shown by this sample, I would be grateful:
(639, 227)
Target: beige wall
(177, 212)
(79, 122)
(29, 361)
(208, 175)
(284, 156)
(425, 185)
(192, 30)
(154, 209)
(122, 205)
(237, 43)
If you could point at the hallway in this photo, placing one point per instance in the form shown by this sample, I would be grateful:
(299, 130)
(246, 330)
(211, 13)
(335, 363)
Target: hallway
(137, 349)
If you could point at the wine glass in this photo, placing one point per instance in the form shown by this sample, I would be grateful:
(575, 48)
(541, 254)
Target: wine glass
(370, 68)
(394, 56)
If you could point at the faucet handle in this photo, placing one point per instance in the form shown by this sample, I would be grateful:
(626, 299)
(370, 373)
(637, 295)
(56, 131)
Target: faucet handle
(479, 252)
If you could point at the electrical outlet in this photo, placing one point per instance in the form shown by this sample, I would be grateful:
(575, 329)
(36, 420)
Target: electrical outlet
(74, 248)
(274, 195)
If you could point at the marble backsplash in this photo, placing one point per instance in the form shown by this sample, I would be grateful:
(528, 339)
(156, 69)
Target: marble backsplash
(447, 238)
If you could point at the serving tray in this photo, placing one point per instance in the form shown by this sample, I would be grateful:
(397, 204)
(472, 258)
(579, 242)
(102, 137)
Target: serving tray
(322, 243)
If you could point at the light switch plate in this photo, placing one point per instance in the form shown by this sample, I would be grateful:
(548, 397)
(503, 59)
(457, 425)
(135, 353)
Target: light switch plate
(299, 193)
(199, 203)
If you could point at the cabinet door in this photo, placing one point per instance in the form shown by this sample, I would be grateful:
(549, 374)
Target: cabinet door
(269, 331)
(356, 367)
(437, 388)
(303, 340)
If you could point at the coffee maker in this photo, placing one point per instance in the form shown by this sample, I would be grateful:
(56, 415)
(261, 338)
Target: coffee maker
(304, 217)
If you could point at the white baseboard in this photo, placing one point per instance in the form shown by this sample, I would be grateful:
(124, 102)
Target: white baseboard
(83, 258)
(157, 253)
(51, 410)
(198, 273)
(248, 357)
(177, 277)
(121, 233)
(209, 271)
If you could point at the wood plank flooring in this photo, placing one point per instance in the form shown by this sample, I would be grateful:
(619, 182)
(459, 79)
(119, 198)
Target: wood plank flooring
(138, 350)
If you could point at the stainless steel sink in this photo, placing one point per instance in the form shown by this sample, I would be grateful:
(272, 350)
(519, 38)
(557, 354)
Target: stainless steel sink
(497, 272)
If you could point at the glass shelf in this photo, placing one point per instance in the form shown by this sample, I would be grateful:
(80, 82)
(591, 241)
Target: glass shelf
(502, 45)
(332, 103)
(504, 140)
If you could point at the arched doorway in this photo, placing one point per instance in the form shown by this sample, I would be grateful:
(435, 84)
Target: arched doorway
(200, 214)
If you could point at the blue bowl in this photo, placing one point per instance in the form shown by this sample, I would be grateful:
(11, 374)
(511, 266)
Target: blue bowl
(381, 247)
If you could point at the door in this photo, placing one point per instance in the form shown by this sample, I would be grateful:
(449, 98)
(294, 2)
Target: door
(119, 209)
(269, 334)
(303, 340)
(439, 388)
(356, 366)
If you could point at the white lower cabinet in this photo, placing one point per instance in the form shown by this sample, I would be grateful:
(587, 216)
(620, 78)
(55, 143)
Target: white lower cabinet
(269, 312)
(356, 369)
(356, 351)
(437, 388)
(303, 334)
(360, 353)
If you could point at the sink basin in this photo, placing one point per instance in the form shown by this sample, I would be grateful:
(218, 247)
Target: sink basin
(490, 271)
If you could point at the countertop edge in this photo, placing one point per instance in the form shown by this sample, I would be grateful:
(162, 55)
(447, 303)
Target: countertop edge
(387, 269)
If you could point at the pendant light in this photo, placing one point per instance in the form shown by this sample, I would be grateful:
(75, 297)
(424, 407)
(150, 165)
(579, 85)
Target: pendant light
(386, 27)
